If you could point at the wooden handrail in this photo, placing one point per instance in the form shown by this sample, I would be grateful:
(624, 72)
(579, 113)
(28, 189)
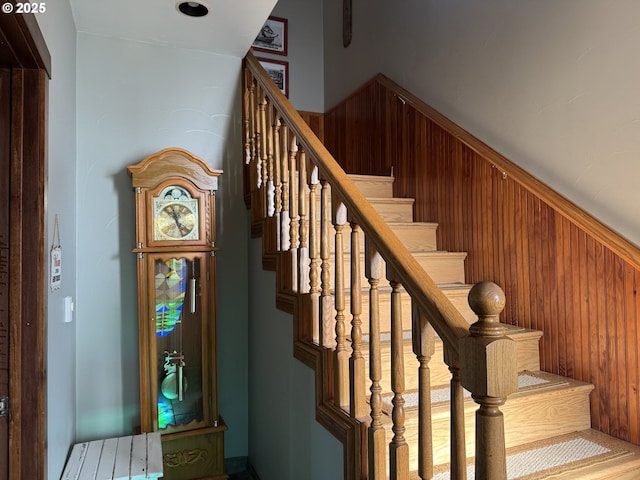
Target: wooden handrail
(599, 231)
(446, 320)
(286, 159)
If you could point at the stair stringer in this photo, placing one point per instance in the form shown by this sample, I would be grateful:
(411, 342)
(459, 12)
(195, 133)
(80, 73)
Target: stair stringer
(351, 432)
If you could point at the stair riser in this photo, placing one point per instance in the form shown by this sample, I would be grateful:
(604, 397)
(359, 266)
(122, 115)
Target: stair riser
(528, 419)
(415, 236)
(392, 210)
(384, 306)
(442, 267)
(528, 359)
(397, 211)
(374, 186)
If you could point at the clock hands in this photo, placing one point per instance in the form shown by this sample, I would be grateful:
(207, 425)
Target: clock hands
(174, 214)
(176, 220)
(183, 229)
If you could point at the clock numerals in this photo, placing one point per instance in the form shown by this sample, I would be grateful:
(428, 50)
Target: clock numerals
(176, 221)
(182, 217)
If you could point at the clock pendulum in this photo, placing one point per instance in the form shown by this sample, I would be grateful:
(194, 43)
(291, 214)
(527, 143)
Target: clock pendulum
(174, 383)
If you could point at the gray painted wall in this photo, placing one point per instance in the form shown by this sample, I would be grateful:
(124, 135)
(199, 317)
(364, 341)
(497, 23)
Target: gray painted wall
(132, 100)
(59, 32)
(551, 85)
(285, 441)
(306, 62)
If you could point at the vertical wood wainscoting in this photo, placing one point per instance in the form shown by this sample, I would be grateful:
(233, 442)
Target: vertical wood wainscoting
(562, 271)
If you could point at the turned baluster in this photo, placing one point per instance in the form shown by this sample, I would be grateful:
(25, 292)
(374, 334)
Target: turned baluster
(423, 339)
(277, 162)
(314, 253)
(303, 219)
(271, 189)
(398, 448)
(327, 319)
(374, 270)
(262, 137)
(285, 237)
(293, 210)
(246, 114)
(341, 355)
(458, 447)
(256, 123)
(258, 207)
(356, 363)
(253, 112)
(489, 372)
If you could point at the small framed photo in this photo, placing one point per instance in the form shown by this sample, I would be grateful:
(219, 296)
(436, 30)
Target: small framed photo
(272, 37)
(278, 70)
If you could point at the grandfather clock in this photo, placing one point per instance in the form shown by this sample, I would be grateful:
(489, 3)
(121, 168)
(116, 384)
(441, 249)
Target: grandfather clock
(176, 248)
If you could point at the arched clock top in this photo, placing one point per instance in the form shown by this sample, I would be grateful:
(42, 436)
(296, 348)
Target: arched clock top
(177, 163)
(175, 201)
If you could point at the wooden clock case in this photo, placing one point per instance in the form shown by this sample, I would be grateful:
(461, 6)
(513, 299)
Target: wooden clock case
(180, 339)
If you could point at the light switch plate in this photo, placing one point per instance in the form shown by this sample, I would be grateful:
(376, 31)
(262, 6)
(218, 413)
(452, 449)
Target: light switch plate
(68, 309)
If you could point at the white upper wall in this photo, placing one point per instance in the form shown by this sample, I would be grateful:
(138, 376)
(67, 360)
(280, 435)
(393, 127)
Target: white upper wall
(228, 29)
(550, 85)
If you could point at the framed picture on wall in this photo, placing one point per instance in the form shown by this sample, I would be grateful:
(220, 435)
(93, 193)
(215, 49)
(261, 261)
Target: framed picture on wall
(272, 37)
(278, 70)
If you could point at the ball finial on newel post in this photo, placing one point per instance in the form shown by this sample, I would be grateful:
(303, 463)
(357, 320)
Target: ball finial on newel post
(487, 301)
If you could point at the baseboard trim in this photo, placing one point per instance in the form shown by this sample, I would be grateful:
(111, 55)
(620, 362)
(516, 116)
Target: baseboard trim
(252, 471)
(240, 466)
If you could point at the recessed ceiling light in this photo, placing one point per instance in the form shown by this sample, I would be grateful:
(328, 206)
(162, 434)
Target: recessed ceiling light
(193, 9)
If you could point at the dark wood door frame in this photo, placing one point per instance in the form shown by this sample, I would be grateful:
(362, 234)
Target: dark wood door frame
(26, 62)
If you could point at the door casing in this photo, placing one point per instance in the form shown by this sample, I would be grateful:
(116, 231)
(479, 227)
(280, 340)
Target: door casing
(26, 65)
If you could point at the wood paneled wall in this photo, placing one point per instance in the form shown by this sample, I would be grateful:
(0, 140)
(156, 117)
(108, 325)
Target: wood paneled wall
(558, 277)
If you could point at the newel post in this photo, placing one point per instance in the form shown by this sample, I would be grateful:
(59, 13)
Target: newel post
(489, 372)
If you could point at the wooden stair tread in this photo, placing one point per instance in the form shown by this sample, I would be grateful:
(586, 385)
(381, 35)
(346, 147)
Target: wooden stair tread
(528, 357)
(444, 267)
(533, 414)
(416, 236)
(449, 287)
(615, 459)
(392, 200)
(432, 254)
(624, 466)
(554, 385)
(411, 224)
(512, 331)
(367, 176)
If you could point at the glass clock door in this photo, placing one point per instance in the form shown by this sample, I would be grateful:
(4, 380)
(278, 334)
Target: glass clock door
(178, 324)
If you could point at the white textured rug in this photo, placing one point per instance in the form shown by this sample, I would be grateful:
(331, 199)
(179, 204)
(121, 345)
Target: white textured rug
(525, 380)
(563, 454)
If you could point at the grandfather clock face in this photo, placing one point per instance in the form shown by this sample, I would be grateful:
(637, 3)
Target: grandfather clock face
(175, 215)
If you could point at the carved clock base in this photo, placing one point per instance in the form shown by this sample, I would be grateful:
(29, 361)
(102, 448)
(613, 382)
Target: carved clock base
(195, 454)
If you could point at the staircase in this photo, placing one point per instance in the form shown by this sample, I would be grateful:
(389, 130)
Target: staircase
(546, 410)
(368, 290)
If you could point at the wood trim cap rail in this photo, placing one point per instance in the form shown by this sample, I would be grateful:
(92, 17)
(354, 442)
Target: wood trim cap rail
(604, 234)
